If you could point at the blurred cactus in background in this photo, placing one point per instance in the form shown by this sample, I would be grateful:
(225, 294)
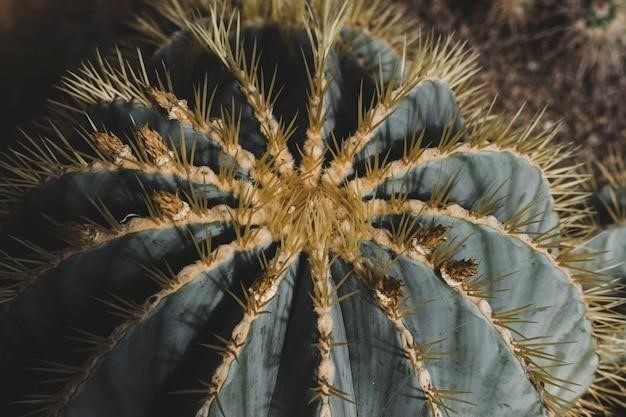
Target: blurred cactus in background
(605, 251)
(39, 40)
(564, 57)
(598, 35)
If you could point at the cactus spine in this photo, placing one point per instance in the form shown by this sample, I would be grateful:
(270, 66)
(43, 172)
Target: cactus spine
(598, 34)
(331, 220)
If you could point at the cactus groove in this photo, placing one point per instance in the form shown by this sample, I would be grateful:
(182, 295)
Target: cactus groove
(294, 208)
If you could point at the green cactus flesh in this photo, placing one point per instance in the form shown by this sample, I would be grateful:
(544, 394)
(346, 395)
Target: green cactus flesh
(604, 252)
(293, 209)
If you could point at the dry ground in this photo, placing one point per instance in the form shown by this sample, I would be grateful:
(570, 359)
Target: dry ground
(538, 61)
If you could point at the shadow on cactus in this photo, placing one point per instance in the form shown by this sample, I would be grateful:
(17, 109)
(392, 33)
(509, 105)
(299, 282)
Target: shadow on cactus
(294, 209)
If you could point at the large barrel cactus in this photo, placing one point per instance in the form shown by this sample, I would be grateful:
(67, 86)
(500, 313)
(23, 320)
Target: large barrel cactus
(294, 208)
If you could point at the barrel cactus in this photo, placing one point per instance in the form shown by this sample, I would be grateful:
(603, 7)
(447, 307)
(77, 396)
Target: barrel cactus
(513, 14)
(294, 208)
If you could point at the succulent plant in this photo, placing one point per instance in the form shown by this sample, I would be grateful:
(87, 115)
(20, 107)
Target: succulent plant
(598, 34)
(294, 208)
(605, 251)
(58, 33)
(607, 245)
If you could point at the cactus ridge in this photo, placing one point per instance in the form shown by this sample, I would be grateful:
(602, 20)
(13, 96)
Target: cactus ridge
(295, 208)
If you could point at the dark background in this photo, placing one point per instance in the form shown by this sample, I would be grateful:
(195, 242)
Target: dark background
(39, 40)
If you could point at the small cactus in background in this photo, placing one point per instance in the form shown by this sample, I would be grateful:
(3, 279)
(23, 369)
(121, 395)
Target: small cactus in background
(605, 251)
(57, 32)
(598, 35)
(291, 209)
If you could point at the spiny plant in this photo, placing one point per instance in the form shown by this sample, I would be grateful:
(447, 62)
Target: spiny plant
(295, 208)
(608, 200)
(606, 249)
(502, 17)
(598, 35)
(56, 32)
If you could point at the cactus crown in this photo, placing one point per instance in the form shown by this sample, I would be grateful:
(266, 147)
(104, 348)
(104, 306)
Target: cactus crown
(331, 220)
(599, 12)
